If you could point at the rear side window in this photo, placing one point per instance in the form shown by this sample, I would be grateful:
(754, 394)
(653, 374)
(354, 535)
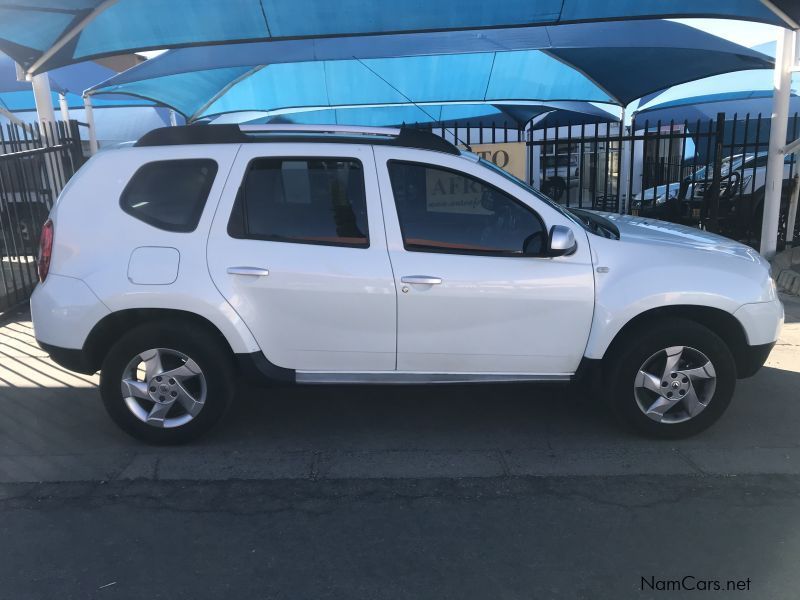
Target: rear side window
(304, 201)
(170, 194)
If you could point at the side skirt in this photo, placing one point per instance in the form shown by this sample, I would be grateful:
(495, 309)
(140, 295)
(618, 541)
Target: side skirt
(409, 378)
(257, 369)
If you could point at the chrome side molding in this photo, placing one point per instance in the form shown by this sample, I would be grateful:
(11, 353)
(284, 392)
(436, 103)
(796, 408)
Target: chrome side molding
(409, 378)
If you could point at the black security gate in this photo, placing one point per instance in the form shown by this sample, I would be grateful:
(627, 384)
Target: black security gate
(709, 174)
(35, 165)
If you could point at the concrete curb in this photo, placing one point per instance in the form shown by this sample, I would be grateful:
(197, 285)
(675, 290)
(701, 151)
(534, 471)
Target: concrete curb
(786, 270)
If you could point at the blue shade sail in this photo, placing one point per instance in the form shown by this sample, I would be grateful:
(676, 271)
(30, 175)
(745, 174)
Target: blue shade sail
(598, 62)
(46, 34)
(707, 111)
(392, 115)
(17, 96)
(739, 94)
(475, 114)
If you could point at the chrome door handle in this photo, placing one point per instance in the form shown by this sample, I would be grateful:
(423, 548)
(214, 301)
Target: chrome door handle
(250, 271)
(421, 279)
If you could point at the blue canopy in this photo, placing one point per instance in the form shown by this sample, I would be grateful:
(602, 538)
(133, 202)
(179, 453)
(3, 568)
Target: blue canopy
(16, 96)
(44, 34)
(579, 113)
(611, 63)
(742, 93)
(707, 111)
(464, 114)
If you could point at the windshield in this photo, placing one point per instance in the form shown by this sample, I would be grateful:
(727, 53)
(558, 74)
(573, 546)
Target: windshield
(535, 192)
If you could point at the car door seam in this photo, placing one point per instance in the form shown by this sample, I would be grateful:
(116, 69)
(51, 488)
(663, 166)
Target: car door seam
(389, 257)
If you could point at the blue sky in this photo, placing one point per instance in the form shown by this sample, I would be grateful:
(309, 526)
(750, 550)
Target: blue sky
(741, 32)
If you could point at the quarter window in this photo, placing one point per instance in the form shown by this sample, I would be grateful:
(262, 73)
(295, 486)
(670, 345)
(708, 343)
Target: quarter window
(170, 194)
(447, 211)
(302, 200)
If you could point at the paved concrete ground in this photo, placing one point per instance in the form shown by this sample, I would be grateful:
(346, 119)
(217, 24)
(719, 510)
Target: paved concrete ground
(458, 491)
(16, 276)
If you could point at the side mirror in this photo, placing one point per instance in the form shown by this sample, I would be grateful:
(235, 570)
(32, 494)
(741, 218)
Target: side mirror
(561, 241)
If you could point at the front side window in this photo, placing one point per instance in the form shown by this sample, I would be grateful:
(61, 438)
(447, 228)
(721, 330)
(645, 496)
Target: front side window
(447, 211)
(170, 194)
(302, 200)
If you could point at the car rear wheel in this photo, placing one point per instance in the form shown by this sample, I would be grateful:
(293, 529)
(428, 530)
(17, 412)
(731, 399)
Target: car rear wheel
(167, 384)
(671, 380)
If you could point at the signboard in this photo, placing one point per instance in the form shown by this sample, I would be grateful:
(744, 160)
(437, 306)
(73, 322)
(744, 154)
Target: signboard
(509, 156)
(449, 192)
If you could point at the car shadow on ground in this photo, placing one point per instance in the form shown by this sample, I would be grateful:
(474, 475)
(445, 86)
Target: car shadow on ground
(411, 415)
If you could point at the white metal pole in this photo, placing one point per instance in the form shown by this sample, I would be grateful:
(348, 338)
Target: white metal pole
(624, 166)
(43, 97)
(784, 61)
(536, 176)
(87, 106)
(44, 100)
(792, 216)
(10, 116)
(62, 103)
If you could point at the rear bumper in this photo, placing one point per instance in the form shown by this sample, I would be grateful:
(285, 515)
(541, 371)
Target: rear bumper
(73, 359)
(64, 310)
(752, 359)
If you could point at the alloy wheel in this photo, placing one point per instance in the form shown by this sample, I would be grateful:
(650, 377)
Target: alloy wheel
(675, 384)
(164, 388)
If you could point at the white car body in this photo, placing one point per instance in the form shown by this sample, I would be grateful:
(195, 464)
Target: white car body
(326, 309)
(319, 313)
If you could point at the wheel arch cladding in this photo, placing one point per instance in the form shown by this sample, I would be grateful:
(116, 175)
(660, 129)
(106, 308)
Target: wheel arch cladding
(722, 323)
(111, 327)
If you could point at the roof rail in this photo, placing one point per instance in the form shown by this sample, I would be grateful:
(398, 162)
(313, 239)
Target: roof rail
(242, 134)
(341, 129)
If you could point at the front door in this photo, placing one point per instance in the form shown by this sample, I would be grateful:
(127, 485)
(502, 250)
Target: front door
(476, 293)
(298, 249)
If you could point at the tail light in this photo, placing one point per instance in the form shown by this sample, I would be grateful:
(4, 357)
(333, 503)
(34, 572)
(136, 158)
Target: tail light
(45, 250)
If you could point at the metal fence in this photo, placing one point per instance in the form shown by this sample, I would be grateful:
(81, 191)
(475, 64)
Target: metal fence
(35, 165)
(709, 174)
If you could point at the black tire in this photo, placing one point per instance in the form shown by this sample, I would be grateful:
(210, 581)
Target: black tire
(629, 355)
(204, 348)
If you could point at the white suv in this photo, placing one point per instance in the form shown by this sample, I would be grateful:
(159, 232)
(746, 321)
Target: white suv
(201, 254)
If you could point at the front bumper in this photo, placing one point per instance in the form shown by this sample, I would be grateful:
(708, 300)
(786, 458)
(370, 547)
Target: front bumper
(752, 359)
(762, 321)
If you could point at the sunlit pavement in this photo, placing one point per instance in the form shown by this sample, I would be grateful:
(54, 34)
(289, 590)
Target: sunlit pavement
(330, 492)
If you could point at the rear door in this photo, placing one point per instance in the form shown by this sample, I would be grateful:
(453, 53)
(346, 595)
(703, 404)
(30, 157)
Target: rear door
(298, 249)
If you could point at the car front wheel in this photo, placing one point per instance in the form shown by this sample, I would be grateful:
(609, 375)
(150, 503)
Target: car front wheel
(671, 380)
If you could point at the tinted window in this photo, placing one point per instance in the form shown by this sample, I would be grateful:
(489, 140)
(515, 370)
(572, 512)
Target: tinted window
(170, 194)
(311, 201)
(446, 211)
